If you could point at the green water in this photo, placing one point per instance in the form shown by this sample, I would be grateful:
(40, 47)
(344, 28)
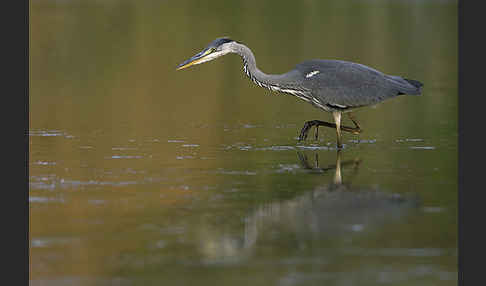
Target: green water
(143, 175)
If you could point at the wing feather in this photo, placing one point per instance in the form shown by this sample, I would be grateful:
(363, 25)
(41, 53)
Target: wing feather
(341, 83)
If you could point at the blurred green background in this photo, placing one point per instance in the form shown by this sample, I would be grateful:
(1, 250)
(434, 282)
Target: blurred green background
(141, 175)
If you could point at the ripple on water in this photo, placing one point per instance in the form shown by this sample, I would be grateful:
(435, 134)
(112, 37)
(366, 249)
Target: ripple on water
(96, 202)
(275, 148)
(45, 200)
(288, 168)
(86, 147)
(234, 172)
(239, 145)
(44, 163)
(123, 148)
(360, 141)
(422, 147)
(315, 147)
(246, 147)
(249, 126)
(49, 183)
(124, 157)
(410, 140)
(184, 157)
(50, 241)
(50, 133)
(190, 145)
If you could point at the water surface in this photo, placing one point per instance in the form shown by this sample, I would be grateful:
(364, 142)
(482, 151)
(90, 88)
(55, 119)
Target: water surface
(141, 175)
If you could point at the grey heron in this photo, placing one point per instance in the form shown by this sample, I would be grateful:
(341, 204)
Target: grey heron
(334, 86)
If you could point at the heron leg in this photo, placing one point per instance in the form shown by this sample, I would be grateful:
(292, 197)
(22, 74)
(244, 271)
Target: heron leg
(357, 128)
(309, 124)
(337, 120)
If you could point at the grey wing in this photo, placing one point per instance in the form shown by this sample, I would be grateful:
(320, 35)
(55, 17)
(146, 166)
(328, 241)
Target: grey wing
(344, 85)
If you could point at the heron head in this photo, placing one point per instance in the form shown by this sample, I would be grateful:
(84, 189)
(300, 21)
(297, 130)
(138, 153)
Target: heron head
(216, 49)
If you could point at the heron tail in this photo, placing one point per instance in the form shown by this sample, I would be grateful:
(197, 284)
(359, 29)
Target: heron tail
(408, 86)
(415, 83)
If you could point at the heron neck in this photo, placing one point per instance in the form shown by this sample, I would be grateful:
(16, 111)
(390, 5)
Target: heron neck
(252, 71)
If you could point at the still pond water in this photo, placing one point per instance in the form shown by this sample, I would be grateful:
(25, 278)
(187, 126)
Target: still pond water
(141, 175)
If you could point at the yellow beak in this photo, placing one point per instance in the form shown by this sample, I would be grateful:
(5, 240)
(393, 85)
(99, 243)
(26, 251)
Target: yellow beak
(194, 60)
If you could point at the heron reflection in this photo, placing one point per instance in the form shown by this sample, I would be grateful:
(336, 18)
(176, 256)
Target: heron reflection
(337, 167)
(334, 211)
